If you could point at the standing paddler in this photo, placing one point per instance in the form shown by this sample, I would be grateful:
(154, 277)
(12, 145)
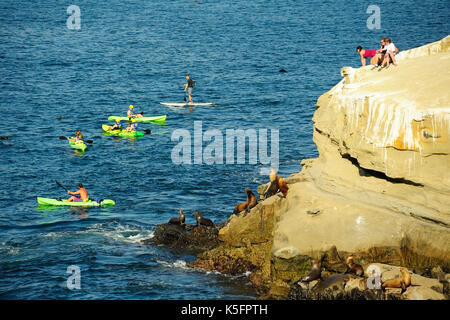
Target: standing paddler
(190, 84)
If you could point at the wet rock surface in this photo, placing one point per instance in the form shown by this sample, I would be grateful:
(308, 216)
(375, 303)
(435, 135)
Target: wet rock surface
(196, 238)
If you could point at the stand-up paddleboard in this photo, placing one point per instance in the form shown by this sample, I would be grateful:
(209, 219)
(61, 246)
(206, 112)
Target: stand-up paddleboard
(182, 104)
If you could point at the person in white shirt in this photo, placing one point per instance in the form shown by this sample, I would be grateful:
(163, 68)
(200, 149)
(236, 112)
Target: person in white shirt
(391, 49)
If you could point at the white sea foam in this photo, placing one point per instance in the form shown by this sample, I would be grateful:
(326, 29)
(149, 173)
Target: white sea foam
(122, 233)
(181, 264)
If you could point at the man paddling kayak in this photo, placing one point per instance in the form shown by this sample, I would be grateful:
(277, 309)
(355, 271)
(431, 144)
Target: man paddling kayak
(130, 113)
(78, 196)
(190, 84)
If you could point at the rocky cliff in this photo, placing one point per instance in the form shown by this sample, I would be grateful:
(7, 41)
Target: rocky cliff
(380, 187)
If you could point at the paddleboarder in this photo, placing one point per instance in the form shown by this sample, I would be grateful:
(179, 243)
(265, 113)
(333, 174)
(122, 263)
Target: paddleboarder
(78, 196)
(190, 84)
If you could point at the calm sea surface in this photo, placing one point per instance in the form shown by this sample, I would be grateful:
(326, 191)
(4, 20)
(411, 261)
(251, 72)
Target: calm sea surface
(138, 52)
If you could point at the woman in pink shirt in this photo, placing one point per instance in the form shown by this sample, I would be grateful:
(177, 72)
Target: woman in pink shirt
(364, 54)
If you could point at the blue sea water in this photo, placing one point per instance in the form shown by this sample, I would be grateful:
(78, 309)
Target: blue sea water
(138, 52)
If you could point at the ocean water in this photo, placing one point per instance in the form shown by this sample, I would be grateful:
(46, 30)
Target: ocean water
(138, 52)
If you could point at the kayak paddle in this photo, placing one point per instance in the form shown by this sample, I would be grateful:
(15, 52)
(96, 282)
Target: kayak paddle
(59, 184)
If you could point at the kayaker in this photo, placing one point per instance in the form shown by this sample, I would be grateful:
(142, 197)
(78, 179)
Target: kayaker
(78, 137)
(133, 126)
(190, 84)
(78, 196)
(116, 126)
(130, 113)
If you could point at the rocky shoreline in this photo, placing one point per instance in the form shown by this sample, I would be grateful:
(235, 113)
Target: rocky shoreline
(380, 190)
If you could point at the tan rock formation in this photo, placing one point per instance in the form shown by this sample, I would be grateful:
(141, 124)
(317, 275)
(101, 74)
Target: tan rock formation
(383, 173)
(380, 187)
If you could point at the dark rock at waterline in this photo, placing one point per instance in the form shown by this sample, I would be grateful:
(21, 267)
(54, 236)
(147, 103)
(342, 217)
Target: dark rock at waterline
(187, 236)
(282, 70)
(5, 137)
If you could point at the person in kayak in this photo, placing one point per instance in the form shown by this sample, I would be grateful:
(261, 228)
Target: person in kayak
(116, 126)
(78, 196)
(130, 113)
(133, 126)
(189, 86)
(78, 137)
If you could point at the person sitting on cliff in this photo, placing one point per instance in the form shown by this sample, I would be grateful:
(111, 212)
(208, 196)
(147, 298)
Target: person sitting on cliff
(391, 50)
(379, 56)
(364, 54)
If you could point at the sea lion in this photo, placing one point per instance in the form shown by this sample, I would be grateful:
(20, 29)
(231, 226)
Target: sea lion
(251, 202)
(179, 220)
(276, 183)
(5, 137)
(314, 274)
(403, 282)
(353, 267)
(202, 221)
(282, 70)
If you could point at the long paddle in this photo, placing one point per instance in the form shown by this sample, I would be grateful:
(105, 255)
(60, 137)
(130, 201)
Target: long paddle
(62, 138)
(59, 184)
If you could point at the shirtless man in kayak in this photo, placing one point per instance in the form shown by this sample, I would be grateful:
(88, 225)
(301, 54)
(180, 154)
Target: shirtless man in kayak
(78, 196)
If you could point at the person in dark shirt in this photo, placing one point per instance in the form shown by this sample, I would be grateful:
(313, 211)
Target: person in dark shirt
(189, 86)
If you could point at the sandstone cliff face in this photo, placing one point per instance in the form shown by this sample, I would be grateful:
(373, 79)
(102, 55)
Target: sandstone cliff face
(380, 187)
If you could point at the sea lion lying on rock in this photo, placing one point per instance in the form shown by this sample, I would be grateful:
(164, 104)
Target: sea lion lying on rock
(403, 282)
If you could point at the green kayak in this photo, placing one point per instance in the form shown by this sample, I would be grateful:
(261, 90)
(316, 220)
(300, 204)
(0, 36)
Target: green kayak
(122, 133)
(90, 203)
(157, 119)
(79, 146)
